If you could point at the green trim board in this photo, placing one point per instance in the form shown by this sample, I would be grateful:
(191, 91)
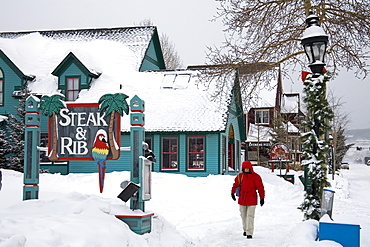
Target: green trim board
(153, 55)
(67, 61)
(15, 69)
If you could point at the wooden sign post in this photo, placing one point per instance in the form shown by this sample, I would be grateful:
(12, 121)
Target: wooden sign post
(31, 152)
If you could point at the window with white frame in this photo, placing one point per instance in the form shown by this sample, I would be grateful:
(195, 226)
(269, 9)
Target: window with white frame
(72, 88)
(262, 116)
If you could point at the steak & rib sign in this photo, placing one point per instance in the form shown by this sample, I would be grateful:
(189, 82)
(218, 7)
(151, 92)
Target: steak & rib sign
(73, 132)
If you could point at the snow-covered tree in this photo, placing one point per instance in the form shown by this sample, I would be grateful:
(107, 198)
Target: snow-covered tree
(315, 142)
(279, 132)
(15, 132)
(4, 148)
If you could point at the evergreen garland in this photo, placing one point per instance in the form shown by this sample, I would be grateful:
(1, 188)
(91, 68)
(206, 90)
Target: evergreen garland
(315, 145)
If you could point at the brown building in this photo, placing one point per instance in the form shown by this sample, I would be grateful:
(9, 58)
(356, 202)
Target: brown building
(275, 118)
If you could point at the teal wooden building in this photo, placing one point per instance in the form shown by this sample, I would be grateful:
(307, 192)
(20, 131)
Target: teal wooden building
(189, 129)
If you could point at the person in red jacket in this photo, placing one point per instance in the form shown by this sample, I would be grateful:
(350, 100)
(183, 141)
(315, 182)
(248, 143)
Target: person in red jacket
(250, 182)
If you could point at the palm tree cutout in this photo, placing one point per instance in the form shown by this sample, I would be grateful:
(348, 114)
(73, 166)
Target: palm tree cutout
(110, 104)
(50, 106)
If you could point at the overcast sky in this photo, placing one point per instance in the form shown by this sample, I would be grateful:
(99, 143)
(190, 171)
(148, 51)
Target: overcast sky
(187, 23)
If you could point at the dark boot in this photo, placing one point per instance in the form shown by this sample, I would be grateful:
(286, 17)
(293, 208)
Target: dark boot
(244, 234)
(249, 236)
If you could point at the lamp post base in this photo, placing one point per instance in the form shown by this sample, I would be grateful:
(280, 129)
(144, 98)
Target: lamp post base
(139, 223)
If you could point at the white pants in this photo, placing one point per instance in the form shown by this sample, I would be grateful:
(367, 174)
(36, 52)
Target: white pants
(247, 214)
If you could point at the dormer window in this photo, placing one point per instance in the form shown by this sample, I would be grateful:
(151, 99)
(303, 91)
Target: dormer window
(73, 76)
(72, 88)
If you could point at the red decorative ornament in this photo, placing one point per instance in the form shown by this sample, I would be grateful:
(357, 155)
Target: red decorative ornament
(305, 74)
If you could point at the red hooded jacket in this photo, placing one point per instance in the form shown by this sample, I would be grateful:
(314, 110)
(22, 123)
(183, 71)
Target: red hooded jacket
(250, 184)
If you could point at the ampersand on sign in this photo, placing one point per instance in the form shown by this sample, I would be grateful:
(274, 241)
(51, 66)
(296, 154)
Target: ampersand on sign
(81, 133)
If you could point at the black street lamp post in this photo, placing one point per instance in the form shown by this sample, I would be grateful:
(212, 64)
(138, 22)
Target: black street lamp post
(315, 41)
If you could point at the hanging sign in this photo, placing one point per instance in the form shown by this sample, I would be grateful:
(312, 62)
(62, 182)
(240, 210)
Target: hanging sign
(81, 129)
(279, 152)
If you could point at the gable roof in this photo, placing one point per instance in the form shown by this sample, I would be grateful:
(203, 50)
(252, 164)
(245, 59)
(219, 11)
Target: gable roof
(68, 60)
(174, 100)
(137, 39)
(14, 67)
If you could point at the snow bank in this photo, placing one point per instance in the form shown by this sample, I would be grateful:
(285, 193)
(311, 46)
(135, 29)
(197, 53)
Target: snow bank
(188, 211)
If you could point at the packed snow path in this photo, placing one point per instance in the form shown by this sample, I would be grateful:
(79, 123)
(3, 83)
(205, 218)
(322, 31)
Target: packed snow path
(352, 199)
(213, 217)
(189, 211)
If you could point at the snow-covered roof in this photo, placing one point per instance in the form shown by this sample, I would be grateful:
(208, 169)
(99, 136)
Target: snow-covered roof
(292, 128)
(264, 95)
(135, 38)
(184, 106)
(174, 101)
(290, 103)
(258, 133)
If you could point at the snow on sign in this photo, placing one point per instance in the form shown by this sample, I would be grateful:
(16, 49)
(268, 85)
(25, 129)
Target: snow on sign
(279, 152)
(81, 129)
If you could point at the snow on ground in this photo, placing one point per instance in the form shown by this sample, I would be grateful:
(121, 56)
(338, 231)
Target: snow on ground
(188, 211)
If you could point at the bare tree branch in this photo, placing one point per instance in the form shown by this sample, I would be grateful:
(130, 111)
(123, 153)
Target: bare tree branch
(269, 31)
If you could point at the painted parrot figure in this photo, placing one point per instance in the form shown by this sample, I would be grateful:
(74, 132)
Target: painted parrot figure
(100, 152)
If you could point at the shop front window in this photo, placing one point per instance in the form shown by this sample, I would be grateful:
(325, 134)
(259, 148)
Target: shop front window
(196, 153)
(170, 153)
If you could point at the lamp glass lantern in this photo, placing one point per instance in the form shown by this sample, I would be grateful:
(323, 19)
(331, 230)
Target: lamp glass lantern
(315, 42)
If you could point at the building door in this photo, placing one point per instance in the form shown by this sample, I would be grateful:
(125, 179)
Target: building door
(231, 162)
(231, 149)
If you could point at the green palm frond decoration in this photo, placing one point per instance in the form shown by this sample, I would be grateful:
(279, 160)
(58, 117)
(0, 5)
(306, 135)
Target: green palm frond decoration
(110, 104)
(114, 103)
(51, 104)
